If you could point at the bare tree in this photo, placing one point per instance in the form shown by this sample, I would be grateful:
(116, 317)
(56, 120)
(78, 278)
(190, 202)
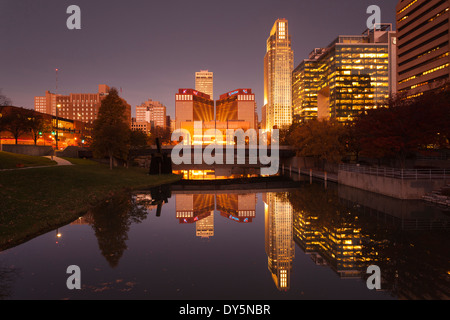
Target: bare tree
(4, 101)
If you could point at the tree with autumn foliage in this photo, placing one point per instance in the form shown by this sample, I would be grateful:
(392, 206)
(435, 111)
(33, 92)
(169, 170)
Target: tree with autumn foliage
(111, 134)
(321, 139)
(405, 127)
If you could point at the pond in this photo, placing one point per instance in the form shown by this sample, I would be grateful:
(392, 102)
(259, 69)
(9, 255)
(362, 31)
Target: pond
(313, 241)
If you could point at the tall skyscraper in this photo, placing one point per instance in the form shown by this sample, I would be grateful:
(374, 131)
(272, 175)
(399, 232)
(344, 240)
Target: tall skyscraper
(278, 66)
(423, 45)
(204, 82)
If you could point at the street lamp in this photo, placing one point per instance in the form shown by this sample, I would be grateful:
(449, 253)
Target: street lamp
(57, 125)
(58, 235)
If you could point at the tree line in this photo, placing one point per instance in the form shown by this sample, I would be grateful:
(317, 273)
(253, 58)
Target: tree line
(20, 121)
(401, 129)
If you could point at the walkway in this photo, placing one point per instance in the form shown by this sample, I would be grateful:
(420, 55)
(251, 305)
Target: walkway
(59, 162)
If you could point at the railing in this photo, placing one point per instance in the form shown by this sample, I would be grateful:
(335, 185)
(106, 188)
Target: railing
(404, 174)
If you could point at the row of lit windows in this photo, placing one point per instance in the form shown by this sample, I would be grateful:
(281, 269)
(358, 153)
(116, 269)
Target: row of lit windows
(424, 33)
(444, 55)
(356, 49)
(184, 97)
(425, 23)
(364, 61)
(424, 13)
(358, 84)
(424, 73)
(246, 97)
(369, 67)
(440, 46)
(407, 6)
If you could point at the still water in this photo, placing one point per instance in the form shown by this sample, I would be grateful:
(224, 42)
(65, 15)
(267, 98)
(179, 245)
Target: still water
(308, 242)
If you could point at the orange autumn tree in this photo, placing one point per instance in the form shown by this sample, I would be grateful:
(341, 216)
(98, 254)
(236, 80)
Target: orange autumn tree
(321, 139)
(405, 127)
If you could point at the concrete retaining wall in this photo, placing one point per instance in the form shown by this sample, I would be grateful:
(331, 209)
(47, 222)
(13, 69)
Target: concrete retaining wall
(396, 188)
(30, 150)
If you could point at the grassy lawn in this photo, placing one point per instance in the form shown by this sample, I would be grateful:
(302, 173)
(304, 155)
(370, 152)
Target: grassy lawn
(13, 161)
(36, 201)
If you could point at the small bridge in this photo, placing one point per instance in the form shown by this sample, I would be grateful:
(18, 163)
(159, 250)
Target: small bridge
(237, 166)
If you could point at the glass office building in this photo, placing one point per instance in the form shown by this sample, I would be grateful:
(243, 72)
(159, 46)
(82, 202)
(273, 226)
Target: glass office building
(349, 76)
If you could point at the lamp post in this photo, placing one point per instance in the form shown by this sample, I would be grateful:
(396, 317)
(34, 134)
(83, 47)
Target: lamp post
(57, 125)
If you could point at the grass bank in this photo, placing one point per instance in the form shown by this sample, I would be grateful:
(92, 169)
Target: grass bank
(38, 200)
(14, 161)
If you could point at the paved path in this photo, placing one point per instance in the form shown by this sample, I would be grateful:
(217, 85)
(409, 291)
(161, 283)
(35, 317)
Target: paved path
(59, 162)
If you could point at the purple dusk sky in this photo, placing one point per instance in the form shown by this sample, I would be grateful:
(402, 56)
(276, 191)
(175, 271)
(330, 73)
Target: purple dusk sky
(152, 48)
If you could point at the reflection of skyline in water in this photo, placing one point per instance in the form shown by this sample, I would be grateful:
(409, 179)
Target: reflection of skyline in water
(338, 228)
(280, 247)
(321, 222)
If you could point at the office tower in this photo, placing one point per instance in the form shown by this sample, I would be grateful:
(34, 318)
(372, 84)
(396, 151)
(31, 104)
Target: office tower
(204, 82)
(278, 66)
(305, 82)
(279, 238)
(349, 76)
(46, 104)
(237, 105)
(153, 112)
(76, 106)
(423, 45)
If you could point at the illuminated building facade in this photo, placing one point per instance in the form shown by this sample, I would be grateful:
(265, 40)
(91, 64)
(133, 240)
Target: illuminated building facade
(235, 110)
(351, 75)
(204, 82)
(76, 106)
(46, 104)
(192, 105)
(423, 45)
(237, 105)
(237, 207)
(305, 82)
(191, 208)
(70, 132)
(278, 66)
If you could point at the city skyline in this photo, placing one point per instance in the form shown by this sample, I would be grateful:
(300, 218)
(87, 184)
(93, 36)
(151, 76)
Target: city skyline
(37, 41)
